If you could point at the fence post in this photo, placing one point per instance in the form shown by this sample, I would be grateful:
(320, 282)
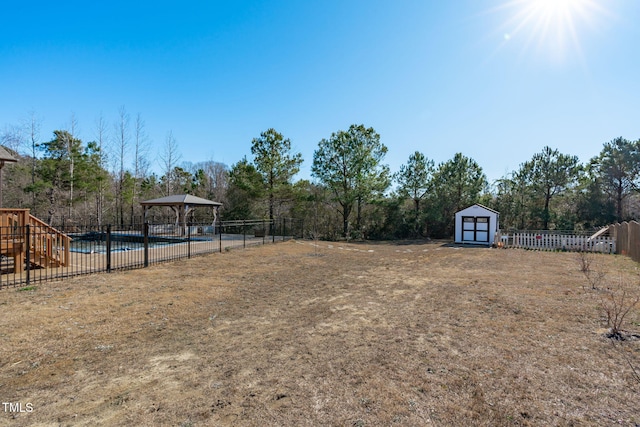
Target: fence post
(145, 231)
(244, 234)
(612, 236)
(264, 232)
(272, 225)
(27, 242)
(284, 229)
(108, 248)
(189, 240)
(220, 237)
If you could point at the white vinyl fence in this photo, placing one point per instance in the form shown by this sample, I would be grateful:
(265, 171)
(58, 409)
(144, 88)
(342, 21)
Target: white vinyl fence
(554, 242)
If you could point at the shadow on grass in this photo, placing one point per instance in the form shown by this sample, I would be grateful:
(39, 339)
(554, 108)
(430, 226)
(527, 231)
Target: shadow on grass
(464, 245)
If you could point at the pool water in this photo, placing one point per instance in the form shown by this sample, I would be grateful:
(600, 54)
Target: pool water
(93, 247)
(94, 242)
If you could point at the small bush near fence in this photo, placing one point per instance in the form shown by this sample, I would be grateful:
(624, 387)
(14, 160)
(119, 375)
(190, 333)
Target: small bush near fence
(107, 248)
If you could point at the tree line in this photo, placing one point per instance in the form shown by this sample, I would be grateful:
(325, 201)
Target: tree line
(352, 194)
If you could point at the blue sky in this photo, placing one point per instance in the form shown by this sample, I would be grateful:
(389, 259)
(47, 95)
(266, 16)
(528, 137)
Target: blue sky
(495, 80)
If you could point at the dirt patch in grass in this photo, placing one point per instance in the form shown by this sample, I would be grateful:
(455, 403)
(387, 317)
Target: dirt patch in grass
(317, 333)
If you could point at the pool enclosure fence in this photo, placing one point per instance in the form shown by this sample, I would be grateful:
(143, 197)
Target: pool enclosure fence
(32, 252)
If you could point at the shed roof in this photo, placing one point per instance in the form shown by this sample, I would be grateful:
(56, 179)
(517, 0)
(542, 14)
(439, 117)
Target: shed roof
(482, 206)
(180, 200)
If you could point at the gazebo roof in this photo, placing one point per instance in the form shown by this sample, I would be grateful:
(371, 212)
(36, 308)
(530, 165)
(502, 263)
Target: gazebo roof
(5, 156)
(180, 200)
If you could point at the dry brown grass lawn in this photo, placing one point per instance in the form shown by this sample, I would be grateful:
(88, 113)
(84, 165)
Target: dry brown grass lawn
(334, 334)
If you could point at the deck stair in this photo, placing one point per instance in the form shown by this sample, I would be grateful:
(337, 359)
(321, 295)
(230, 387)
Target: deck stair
(48, 247)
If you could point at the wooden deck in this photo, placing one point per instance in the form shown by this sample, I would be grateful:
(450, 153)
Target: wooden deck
(44, 246)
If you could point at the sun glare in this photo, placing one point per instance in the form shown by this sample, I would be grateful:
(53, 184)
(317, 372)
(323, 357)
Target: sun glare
(556, 7)
(555, 27)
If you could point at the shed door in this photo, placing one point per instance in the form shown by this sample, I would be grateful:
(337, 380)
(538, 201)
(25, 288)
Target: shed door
(475, 229)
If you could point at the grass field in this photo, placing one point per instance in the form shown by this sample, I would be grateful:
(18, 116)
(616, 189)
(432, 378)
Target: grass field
(304, 333)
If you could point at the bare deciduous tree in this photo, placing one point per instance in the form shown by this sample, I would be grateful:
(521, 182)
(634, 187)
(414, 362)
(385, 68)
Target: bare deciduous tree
(73, 130)
(101, 138)
(12, 137)
(140, 163)
(33, 127)
(122, 145)
(216, 179)
(169, 158)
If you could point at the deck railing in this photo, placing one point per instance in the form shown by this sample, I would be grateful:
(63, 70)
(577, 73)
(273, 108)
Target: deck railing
(27, 239)
(49, 247)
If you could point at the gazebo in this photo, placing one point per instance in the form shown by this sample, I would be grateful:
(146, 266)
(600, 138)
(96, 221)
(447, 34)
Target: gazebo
(5, 157)
(182, 205)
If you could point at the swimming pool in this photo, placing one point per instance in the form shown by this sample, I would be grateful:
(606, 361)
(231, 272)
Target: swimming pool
(95, 242)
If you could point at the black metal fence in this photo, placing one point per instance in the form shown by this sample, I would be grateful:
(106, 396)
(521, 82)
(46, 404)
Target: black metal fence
(31, 254)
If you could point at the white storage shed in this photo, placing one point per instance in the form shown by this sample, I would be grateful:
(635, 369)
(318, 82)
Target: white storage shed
(476, 225)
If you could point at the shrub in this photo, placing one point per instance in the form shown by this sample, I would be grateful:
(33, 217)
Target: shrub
(616, 304)
(588, 267)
